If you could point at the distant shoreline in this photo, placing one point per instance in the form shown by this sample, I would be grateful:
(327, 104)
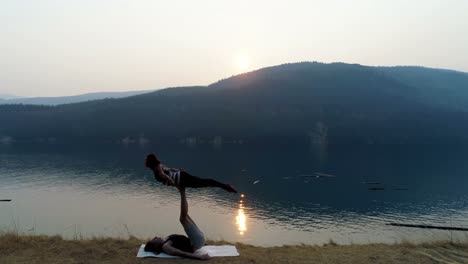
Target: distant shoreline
(16, 248)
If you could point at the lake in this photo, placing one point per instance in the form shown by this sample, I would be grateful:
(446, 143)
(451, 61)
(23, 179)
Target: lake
(290, 195)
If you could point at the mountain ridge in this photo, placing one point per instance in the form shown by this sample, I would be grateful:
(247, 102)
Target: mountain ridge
(56, 100)
(306, 102)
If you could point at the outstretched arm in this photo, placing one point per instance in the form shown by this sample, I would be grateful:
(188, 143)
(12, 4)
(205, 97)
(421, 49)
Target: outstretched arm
(169, 249)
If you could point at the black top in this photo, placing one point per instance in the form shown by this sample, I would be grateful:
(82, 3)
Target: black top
(180, 242)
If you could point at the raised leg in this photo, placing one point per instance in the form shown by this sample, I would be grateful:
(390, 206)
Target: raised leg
(184, 217)
(197, 238)
(195, 182)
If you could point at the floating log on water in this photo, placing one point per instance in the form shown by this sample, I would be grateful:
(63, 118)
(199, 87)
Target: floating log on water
(430, 227)
(317, 175)
(325, 175)
(365, 182)
(5, 200)
(376, 189)
(309, 176)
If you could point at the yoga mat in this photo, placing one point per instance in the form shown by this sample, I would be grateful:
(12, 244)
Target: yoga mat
(213, 251)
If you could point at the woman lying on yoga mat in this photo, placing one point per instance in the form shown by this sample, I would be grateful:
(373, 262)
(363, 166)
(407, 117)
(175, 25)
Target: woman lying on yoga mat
(180, 245)
(171, 176)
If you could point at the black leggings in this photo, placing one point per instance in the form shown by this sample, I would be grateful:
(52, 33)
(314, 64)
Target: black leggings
(188, 180)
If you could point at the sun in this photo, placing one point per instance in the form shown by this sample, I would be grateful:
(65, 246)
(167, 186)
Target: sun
(243, 62)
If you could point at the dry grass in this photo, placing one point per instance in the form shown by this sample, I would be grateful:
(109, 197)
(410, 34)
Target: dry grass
(44, 249)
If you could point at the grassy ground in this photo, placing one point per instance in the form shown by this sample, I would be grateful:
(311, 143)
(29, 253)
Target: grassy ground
(43, 249)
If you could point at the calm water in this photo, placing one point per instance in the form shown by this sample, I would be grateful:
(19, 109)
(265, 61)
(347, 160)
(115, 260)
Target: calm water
(83, 192)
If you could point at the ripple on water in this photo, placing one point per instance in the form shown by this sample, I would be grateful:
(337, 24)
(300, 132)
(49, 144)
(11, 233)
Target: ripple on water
(132, 197)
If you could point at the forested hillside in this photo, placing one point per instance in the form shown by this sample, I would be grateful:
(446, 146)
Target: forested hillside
(295, 103)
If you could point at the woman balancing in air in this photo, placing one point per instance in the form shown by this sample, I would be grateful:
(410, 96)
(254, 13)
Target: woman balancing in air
(180, 245)
(179, 177)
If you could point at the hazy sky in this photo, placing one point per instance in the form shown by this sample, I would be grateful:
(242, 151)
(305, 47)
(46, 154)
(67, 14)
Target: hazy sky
(57, 47)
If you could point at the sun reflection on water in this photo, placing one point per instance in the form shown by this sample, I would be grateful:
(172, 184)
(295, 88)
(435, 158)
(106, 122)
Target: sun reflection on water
(241, 218)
